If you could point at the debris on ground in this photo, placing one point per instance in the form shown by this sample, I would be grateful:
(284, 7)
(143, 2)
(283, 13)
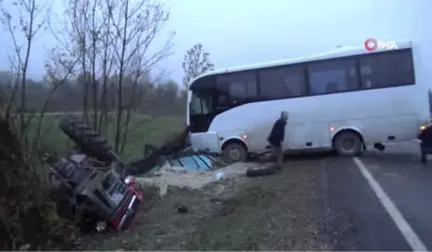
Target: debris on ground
(194, 179)
(234, 213)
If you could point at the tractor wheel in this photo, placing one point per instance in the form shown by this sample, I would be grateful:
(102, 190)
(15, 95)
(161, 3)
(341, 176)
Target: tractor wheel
(260, 172)
(87, 139)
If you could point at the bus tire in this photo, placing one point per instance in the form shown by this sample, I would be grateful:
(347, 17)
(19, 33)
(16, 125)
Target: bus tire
(348, 144)
(234, 152)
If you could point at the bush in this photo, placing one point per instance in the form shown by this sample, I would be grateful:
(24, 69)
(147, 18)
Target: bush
(28, 213)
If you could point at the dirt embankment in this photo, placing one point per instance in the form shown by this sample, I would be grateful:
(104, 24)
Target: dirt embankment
(276, 212)
(28, 215)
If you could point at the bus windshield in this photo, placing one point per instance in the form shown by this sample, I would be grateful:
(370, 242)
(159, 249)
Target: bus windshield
(201, 104)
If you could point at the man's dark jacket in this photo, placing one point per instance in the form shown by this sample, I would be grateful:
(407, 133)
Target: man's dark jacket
(277, 133)
(426, 139)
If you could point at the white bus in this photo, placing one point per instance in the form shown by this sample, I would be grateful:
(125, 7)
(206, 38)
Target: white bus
(344, 99)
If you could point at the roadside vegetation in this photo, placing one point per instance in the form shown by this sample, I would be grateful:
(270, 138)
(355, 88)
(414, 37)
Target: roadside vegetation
(107, 66)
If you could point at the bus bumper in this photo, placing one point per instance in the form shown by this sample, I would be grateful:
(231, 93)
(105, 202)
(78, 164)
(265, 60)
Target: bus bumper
(205, 142)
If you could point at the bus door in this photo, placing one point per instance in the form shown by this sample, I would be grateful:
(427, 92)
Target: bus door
(201, 113)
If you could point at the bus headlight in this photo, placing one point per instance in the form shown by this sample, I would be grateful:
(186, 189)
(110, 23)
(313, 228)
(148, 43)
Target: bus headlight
(423, 126)
(244, 137)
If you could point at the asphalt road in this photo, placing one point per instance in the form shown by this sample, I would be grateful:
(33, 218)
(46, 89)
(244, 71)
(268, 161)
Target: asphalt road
(379, 201)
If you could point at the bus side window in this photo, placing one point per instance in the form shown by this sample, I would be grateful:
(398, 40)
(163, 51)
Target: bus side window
(237, 91)
(282, 82)
(388, 69)
(223, 99)
(366, 72)
(236, 88)
(332, 76)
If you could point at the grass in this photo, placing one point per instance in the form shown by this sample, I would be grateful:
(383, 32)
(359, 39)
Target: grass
(142, 129)
(228, 230)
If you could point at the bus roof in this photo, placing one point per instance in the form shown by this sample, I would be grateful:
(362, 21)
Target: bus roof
(339, 52)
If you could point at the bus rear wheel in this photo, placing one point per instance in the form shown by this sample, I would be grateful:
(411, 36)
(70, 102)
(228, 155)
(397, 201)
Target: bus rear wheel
(348, 144)
(234, 152)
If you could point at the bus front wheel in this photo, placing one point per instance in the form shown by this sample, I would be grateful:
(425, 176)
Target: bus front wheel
(348, 144)
(234, 152)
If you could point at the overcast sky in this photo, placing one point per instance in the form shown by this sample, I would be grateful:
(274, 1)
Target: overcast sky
(238, 32)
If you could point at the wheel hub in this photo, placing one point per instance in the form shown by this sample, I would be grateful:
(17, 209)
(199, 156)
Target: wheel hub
(234, 154)
(348, 145)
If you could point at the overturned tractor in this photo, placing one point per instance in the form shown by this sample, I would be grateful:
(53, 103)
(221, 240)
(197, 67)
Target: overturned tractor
(99, 188)
(93, 180)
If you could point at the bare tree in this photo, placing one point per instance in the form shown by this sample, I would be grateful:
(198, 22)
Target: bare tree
(28, 22)
(196, 62)
(108, 59)
(84, 37)
(59, 67)
(79, 11)
(114, 43)
(137, 24)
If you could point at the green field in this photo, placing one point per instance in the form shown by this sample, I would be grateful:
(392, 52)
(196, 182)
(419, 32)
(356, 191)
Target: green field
(142, 129)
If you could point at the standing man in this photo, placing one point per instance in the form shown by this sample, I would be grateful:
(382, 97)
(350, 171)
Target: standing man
(426, 143)
(276, 137)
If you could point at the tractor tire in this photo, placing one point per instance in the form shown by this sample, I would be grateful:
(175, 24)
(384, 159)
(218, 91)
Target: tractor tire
(260, 172)
(87, 139)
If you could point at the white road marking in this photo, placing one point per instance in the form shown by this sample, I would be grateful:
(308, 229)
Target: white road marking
(408, 233)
